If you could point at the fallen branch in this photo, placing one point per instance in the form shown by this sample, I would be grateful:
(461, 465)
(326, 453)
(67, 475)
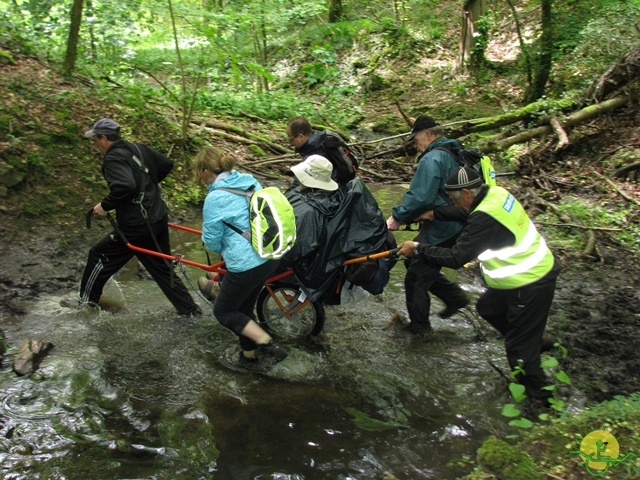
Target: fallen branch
(561, 134)
(573, 225)
(622, 193)
(625, 171)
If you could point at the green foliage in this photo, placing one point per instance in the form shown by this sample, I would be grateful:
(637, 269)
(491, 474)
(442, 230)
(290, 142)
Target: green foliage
(506, 461)
(593, 35)
(590, 214)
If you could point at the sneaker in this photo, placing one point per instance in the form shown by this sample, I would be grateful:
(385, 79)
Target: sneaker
(450, 310)
(273, 349)
(208, 288)
(239, 363)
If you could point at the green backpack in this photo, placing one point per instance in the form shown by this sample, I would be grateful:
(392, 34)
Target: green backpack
(272, 223)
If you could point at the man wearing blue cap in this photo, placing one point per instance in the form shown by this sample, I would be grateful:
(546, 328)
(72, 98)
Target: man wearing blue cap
(427, 192)
(517, 266)
(133, 173)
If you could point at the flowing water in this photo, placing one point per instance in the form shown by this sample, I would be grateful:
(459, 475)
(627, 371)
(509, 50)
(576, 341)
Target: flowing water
(138, 392)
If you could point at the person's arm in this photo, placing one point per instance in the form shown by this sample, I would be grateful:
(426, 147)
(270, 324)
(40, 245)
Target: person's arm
(422, 194)
(212, 226)
(450, 213)
(481, 233)
(122, 185)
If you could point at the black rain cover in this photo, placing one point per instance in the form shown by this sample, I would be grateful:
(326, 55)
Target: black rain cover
(353, 226)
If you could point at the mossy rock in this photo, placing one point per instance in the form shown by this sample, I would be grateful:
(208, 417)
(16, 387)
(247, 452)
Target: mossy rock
(6, 58)
(257, 151)
(506, 461)
(390, 124)
(374, 83)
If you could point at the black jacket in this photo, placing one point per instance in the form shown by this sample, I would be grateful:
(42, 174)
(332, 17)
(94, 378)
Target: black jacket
(131, 185)
(327, 144)
(481, 232)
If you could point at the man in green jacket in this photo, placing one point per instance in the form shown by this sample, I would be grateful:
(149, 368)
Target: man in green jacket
(516, 264)
(426, 193)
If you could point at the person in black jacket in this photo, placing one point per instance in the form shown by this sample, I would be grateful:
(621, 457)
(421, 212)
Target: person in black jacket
(133, 172)
(326, 143)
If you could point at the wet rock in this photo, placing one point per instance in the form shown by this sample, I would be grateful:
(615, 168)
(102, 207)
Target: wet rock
(29, 356)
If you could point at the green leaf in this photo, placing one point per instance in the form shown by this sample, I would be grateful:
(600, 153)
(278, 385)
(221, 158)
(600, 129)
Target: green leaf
(543, 416)
(563, 377)
(517, 391)
(510, 410)
(549, 362)
(521, 423)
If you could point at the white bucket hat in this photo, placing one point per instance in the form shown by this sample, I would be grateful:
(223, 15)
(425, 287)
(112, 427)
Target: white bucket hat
(315, 172)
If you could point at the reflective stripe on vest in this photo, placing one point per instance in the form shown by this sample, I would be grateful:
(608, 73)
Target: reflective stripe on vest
(528, 260)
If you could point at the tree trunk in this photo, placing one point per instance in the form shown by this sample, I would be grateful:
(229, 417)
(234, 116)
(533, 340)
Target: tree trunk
(335, 11)
(472, 10)
(542, 64)
(72, 41)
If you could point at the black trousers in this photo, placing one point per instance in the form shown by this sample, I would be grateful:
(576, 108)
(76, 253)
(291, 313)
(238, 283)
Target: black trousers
(423, 277)
(520, 315)
(111, 254)
(237, 298)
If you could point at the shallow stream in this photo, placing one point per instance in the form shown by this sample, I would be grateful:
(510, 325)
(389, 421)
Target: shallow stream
(139, 392)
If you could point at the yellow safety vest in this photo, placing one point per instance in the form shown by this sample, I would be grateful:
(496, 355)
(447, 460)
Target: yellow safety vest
(525, 262)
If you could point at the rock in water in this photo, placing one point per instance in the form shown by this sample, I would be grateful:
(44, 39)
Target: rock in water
(29, 356)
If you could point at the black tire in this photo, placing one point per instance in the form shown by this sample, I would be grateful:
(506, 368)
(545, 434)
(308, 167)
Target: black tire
(308, 321)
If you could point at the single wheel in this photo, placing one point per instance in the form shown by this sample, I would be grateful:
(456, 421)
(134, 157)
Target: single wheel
(273, 313)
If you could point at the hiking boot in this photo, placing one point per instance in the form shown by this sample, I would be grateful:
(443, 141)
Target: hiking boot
(208, 288)
(450, 310)
(418, 328)
(273, 350)
(194, 312)
(246, 362)
(547, 342)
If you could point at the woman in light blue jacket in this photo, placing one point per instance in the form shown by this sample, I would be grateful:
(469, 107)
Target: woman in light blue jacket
(235, 303)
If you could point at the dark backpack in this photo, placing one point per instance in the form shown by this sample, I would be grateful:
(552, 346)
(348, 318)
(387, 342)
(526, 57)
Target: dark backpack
(344, 161)
(474, 158)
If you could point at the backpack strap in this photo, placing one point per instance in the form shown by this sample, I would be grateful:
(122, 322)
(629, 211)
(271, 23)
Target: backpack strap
(138, 159)
(248, 193)
(452, 153)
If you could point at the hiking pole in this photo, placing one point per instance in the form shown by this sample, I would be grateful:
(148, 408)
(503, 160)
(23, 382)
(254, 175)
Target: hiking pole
(89, 216)
(373, 256)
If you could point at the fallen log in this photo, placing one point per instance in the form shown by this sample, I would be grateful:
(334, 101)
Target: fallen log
(580, 116)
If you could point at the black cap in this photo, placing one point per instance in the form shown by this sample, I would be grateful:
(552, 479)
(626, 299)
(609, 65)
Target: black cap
(463, 177)
(423, 122)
